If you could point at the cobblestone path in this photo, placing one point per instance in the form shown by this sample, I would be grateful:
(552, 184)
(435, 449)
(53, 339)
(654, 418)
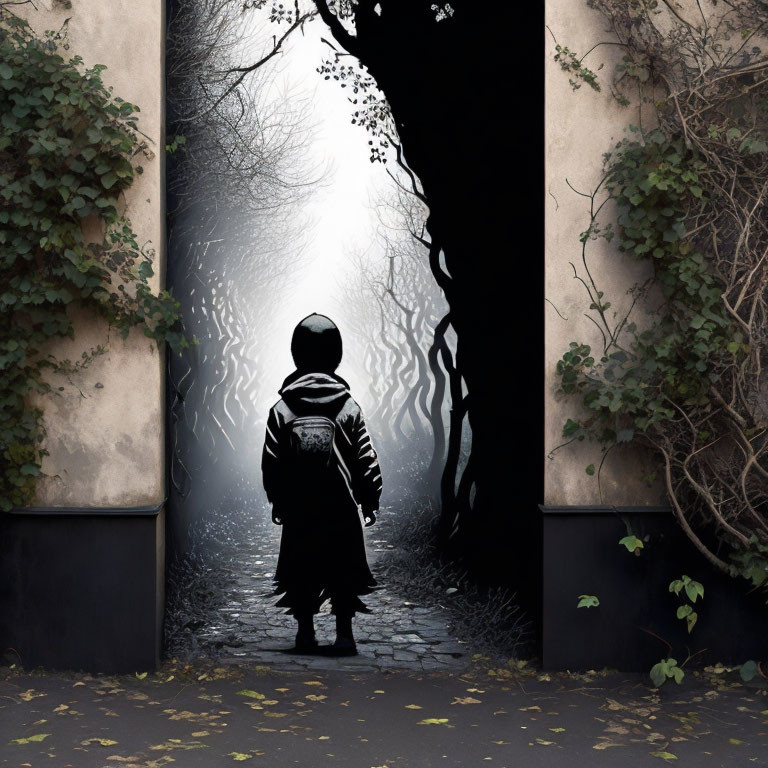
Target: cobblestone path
(397, 634)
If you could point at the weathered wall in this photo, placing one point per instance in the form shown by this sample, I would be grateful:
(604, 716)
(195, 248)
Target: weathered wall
(580, 126)
(106, 427)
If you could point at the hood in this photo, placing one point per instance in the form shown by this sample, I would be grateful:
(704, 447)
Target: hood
(316, 345)
(316, 393)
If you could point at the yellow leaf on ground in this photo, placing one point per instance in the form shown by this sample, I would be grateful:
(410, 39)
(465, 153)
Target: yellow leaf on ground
(412, 706)
(251, 694)
(314, 682)
(96, 740)
(61, 708)
(239, 756)
(664, 755)
(179, 744)
(606, 744)
(141, 675)
(121, 759)
(201, 734)
(30, 694)
(274, 714)
(315, 697)
(544, 743)
(433, 721)
(557, 730)
(465, 700)
(30, 739)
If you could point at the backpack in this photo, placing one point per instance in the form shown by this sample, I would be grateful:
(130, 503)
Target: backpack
(311, 441)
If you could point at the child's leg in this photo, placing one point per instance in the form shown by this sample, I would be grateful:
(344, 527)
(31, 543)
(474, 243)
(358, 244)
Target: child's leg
(344, 626)
(304, 613)
(344, 610)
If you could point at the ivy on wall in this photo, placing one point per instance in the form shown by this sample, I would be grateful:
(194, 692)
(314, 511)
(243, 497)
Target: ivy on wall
(69, 149)
(691, 193)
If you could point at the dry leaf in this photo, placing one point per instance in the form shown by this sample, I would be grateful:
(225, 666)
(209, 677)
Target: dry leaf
(30, 694)
(30, 739)
(96, 740)
(251, 694)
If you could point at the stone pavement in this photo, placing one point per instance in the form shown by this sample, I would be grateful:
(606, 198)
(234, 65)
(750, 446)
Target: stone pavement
(248, 628)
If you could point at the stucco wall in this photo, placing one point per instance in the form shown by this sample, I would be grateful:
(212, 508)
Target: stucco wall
(106, 428)
(580, 126)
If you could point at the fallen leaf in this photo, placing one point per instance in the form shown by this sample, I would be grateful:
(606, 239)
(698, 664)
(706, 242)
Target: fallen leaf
(557, 730)
(30, 694)
(30, 739)
(239, 756)
(141, 675)
(735, 742)
(251, 694)
(466, 700)
(96, 740)
(664, 755)
(61, 708)
(412, 706)
(544, 743)
(201, 734)
(314, 682)
(606, 744)
(433, 721)
(314, 697)
(179, 744)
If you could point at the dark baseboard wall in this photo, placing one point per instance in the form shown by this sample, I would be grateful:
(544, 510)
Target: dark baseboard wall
(636, 617)
(82, 588)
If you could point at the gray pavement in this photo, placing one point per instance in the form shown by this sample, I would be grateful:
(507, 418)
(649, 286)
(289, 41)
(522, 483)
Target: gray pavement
(397, 634)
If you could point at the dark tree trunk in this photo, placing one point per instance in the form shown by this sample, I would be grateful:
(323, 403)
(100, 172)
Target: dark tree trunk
(438, 396)
(449, 85)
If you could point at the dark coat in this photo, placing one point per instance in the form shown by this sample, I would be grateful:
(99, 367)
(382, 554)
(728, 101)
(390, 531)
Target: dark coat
(322, 552)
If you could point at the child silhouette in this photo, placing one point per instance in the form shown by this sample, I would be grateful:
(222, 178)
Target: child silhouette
(318, 465)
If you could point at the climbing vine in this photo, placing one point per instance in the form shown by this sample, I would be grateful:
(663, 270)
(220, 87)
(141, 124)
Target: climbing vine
(69, 148)
(691, 193)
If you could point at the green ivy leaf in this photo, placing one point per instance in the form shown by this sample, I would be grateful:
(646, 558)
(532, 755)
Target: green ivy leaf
(632, 543)
(748, 670)
(588, 601)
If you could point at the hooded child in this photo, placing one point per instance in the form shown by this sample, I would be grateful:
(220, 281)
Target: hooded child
(318, 467)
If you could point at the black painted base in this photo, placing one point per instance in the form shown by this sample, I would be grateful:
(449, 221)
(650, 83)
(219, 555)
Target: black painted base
(637, 612)
(82, 589)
